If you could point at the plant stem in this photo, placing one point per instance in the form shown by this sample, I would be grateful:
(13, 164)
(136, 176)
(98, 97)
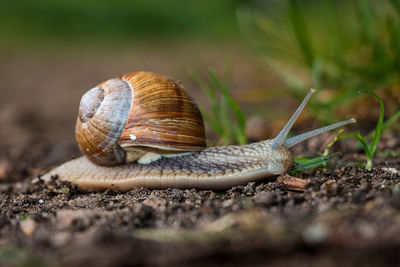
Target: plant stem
(369, 164)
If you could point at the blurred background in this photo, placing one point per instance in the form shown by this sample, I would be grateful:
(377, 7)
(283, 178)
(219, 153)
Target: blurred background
(267, 53)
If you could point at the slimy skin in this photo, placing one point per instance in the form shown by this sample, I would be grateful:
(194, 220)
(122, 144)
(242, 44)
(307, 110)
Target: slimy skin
(211, 168)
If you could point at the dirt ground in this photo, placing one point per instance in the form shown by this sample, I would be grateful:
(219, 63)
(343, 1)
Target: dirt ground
(344, 216)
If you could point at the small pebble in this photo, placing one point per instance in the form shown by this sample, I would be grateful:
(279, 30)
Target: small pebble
(5, 169)
(316, 233)
(265, 198)
(330, 187)
(154, 202)
(365, 187)
(28, 226)
(61, 238)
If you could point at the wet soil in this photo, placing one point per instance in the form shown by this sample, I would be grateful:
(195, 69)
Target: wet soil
(342, 215)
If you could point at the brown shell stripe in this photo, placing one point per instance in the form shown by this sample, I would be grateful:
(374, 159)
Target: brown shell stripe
(162, 114)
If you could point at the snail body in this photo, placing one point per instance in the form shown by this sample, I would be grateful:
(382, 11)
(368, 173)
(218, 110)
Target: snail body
(211, 168)
(125, 162)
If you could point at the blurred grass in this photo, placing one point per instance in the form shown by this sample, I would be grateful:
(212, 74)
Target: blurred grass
(12, 256)
(339, 46)
(111, 21)
(226, 117)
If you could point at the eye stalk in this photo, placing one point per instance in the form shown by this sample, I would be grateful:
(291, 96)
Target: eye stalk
(302, 137)
(279, 140)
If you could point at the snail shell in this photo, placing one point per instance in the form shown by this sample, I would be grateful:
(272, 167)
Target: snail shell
(122, 119)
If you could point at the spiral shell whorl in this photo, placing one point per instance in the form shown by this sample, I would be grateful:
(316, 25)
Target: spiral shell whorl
(103, 113)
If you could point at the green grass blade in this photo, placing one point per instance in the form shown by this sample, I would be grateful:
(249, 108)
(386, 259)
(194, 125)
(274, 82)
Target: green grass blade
(394, 40)
(388, 123)
(237, 111)
(309, 164)
(333, 25)
(223, 108)
(329, 146)
(334, 140)
(364, 144)
(366, 16)
(301, 32)
(228, 72)
(316, 160)
(396, 5)
(378, 129)
(212, 97)
(315, 165)
(215, 125)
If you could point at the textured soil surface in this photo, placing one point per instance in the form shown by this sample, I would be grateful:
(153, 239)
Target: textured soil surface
(344, 215)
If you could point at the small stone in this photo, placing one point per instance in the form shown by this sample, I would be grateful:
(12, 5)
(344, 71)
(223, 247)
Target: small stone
(5, 169)
(265, 198)
(316, 233)
(365, 187)
(330, 187)
(65, 218)
(28, 226)
(62, 238)
(367, 230)
(154, 202)
(228, 203)
(249, 188)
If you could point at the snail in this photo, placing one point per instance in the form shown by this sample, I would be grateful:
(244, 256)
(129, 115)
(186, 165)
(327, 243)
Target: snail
(148, 132)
